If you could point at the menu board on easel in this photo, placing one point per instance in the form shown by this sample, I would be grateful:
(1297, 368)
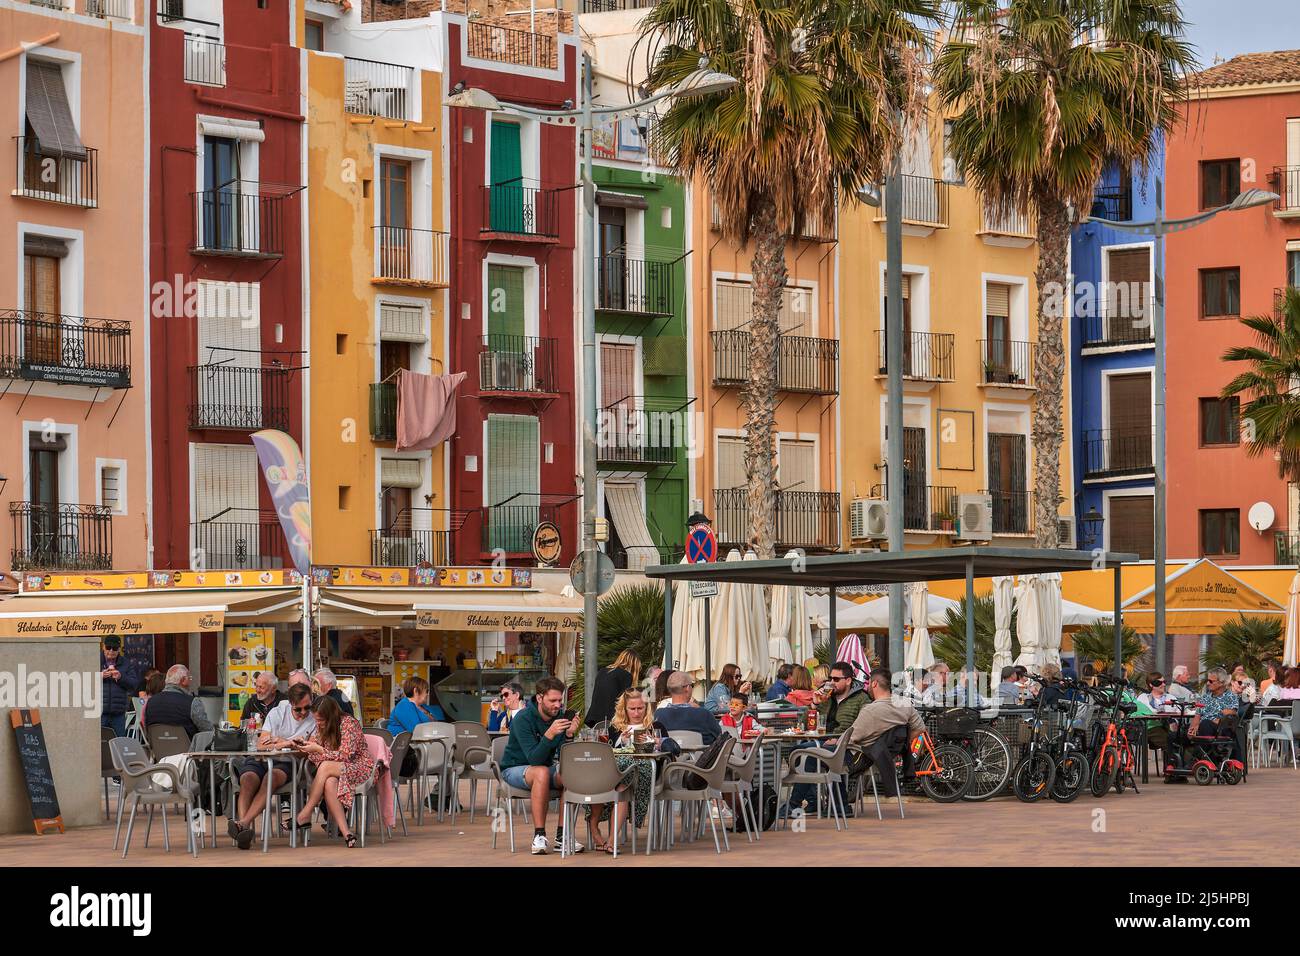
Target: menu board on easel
(35, 761)
(249, 651)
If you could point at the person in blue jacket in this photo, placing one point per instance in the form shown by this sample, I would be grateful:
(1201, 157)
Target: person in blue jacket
(414, 708)
(122, 679)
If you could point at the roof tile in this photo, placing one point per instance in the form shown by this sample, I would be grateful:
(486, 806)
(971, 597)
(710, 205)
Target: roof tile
(1278, 66)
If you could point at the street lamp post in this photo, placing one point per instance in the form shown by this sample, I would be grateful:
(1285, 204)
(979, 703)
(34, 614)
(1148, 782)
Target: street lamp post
(1158, 228)
(701, 82)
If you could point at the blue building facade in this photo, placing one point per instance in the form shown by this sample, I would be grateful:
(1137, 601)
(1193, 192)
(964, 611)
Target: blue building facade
(1112, 365)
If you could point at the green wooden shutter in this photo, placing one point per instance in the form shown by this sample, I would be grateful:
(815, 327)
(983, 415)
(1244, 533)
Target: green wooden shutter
(507, 200)
(513, 480)
(505, 308)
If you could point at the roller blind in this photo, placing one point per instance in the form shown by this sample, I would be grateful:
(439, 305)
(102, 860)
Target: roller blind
(1129, 265)
(797, 465)
(735, 307)
(49, 113)
(731, 461)
(999, 299)
(617, 374)
(225, 476)
(400, 473)
(230, 324)
(506, 301)
(513, 459)
(623, 504)
(1132, 525)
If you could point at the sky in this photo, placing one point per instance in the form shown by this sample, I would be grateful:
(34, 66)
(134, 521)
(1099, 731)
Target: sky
(1227, 28)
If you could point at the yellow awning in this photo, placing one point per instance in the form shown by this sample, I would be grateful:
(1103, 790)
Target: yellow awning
(447, 609)
(144, 612)
(1198, 599)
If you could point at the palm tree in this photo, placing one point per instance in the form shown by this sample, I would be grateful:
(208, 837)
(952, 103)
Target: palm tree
(813, 117)
(1249, 641)
(630, 618)
(1047, 92)
(949, 644)
(1096, 643)
(1273, 411)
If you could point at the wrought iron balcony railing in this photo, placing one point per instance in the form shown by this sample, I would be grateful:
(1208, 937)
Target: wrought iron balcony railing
(927, 356)
(639, 286)
(417, 256)
(1113, 331)
(804, 519)
(930, 508)
(514, 209)
(804, 364)
(62, 179)
(640, 432)
(372, 88)
(417, 536)
(234, 221)
(1286, 547)
(61, 537)
(238, 538)
(1005, 362)
(925, 201)
(1285, 181)
(508, 526)
(1115, 452)
(517, 363)
(43, 347)
(205, 60)
(239, 398)
(1113, 202)
(1013, 511)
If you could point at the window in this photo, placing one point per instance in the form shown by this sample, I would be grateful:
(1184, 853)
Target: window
(1219, 418)
(1132, 525)
(221, 206)
(227, 532)
(796, 465)
(951, 171)
(1128, 444)
(50, 124)
(731, 461)
(735, 308)
(315, 35)
(997, 324)
(110, 488)
(513, 483)
(1220, 293)
(1220, 182)
(1221, 532)
(1128, 288)
(1292, 266)
(42, 332)
(394, 194)
(907, 325)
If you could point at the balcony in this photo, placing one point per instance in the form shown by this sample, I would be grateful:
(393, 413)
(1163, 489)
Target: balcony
(637, 557)
(639, 433)
(612, 6)
(927, 356)
(513, 210)
(1007, 227)
(239, 398)
(1286, 547)
(109, 9)
(65, 349)
(926, 508)
(1110, 453)
(417, 536)
(508, 526)
(925, 205)
(383, 411)
(238, 539)
(816, 227)
(1008, 363)
(205, 60)
(804, 519)
(1013, 511)
(415, 257)
(804, 364)
(1114, 202)
(517, 363)
(237, 221)
(68, 180)
(61, 537)
(488, 41)
(372, 88)
(1106, 331)
(634, 286)
(1285, 181)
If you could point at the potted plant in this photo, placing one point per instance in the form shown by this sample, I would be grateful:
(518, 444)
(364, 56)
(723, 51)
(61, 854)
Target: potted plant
(945, 520)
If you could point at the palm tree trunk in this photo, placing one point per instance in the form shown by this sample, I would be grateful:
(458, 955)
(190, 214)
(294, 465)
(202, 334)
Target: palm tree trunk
(1052, 275)
(759, 396)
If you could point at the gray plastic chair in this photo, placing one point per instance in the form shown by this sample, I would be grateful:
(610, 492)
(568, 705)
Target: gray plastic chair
(740, 781)
(1274, 727)
(138, 780)
(830, 770)
(472, 762)
(672, 789)
(503, 791)
(131, 757)
(107, 770)
(591, 777)
(435, 740)
(401, 744)
(167, 740)
(687, 738)
(379, 731)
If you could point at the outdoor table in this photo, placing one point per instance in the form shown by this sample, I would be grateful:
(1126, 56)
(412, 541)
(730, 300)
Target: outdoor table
(230, 756)
(774, 740)
(448, 744)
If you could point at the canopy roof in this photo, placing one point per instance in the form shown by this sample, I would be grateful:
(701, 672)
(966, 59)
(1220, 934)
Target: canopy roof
(892, 567)
(146, 611)
(1198, 599)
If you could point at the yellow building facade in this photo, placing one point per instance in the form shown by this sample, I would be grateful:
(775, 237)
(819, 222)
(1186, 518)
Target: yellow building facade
(806, 452)
(969, 352)
(378, 275)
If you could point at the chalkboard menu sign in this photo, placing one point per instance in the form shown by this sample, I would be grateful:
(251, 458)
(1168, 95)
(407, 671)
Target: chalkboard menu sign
(35, 760)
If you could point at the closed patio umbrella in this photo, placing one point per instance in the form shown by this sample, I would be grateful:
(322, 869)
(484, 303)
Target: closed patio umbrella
(688, 630)
(1002, 596)
(1049, 617)
(1289, 647)
(919, 654)
(752, 641)
(790, 633)
(1027, 623)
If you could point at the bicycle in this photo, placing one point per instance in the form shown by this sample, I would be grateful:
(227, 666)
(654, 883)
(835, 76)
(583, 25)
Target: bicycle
(1112, 761)
(991, 762)
(945, 771)
(1073, 772)
(1036, 771)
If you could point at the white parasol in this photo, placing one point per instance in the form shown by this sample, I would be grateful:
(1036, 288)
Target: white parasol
(1289, 648)
(919, 654)
(1027, 623)
(1002, 596)
(688, 630)
(1050, 612)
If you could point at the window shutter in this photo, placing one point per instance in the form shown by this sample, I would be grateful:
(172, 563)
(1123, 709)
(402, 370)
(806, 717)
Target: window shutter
(225, 476)
(734, 306)
(513, 458)
(1129, 265)
(617, 374)
(506, 301)
(49, 113)
(1130, 404)
(999, 299)
(401, 323)
(110, 481)
(1132, 525)
(731, 461)
(400, 473)
(230, 325)
(797, 465)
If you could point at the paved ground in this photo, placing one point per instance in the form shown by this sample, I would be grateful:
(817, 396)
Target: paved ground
(1087, 832)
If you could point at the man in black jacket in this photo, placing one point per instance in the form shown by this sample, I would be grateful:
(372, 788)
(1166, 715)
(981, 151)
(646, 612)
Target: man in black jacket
(177, 705)
(327, 683)
(121, 681)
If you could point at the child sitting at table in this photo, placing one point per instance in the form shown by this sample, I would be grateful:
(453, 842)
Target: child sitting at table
(738, 718)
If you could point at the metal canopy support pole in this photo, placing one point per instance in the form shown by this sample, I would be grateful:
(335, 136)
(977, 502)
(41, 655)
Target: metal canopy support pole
(894, 369)
(972, 692)
(835, 638)
(1119, 624)
(589, 578)
(668, 624)
(708, 641)
(1158, 456)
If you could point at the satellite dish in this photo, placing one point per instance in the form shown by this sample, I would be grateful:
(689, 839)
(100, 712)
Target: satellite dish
(1260, 516)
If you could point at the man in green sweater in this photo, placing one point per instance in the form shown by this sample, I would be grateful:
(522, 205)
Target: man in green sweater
(842, 701)
(531, 758)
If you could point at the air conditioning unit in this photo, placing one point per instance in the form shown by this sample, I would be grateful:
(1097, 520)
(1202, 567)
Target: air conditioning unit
(504, 372)
(1065, 532)
(868, 519)
(975, 517)
(397, 552)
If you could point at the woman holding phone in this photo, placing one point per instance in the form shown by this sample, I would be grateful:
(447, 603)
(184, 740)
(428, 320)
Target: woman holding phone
(338, 750)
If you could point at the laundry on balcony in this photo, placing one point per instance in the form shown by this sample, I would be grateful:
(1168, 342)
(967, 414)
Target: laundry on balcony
(426, 409)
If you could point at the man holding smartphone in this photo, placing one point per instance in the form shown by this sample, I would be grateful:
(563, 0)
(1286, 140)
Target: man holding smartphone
(121, 680)
(531, 758)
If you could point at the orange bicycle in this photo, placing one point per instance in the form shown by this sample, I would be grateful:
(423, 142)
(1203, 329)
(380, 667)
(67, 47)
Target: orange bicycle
(945, 771)
(1114, 762)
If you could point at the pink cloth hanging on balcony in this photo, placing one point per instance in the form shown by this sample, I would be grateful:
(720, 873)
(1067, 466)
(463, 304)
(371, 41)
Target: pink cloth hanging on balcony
(426, 409)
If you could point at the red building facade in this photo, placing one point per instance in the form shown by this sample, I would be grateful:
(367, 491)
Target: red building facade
(1243, 132)
(227, 275)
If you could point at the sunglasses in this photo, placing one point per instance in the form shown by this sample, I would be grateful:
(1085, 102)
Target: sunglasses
(1157, 683)
(302, 710)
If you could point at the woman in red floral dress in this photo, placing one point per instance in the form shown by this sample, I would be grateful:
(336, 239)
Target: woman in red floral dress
(338, 750)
